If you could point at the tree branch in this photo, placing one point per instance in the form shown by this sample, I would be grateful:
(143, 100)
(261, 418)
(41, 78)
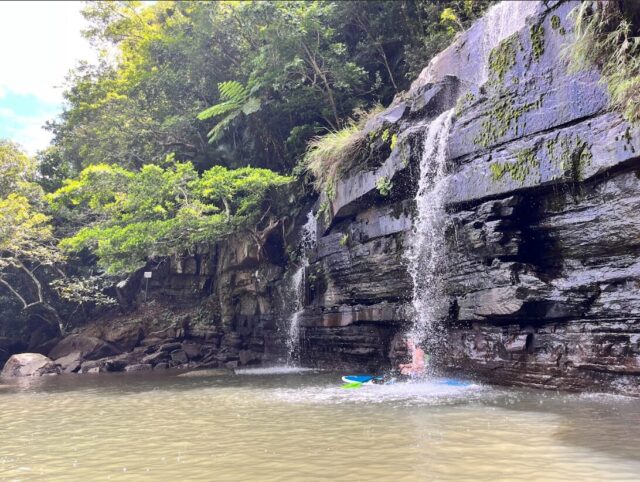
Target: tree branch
(15, 293)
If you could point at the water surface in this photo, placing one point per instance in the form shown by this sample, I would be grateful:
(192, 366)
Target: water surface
(302, 426)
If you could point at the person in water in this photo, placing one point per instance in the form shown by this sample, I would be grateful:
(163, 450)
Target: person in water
(418, 365)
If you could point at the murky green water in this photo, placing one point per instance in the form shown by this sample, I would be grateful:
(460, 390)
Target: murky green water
(303, 427)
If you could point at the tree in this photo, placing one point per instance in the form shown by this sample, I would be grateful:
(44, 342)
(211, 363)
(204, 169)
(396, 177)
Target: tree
(27, 244)
(307, 65)
(131, 217)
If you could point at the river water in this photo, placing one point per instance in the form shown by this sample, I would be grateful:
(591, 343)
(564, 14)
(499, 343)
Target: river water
(302, 426)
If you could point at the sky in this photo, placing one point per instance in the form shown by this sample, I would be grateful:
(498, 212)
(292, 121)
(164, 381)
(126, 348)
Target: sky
(40, 42)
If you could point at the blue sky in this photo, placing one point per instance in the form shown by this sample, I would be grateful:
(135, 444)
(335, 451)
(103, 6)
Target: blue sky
(41, 42)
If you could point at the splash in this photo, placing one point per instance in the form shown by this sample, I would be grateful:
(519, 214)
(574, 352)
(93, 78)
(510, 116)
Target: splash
(297, 288)
(275, 370)
(423, 393)
(426, 253)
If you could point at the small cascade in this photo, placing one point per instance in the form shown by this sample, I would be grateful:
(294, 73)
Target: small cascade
(501, 21)
(472, 54)
(426, 253)
(296, 289)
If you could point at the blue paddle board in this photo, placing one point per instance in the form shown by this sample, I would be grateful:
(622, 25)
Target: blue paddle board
(368, 379)
(360, 378)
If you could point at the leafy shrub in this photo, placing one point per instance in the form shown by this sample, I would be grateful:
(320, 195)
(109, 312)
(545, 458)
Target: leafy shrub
(384, 186)
(331, 155)
(607, 35)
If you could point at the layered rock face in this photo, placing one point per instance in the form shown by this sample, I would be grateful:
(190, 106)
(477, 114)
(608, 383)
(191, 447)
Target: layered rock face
(543, 219)
(538, 273)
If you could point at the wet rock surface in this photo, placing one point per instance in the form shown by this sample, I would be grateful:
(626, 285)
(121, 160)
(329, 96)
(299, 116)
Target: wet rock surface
(543, 225)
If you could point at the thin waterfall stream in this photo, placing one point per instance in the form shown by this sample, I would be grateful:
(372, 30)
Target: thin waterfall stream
(426, 255)
(296, 289)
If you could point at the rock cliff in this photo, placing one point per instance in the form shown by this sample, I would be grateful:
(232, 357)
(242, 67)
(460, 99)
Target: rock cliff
(542, 228)
(538, 275)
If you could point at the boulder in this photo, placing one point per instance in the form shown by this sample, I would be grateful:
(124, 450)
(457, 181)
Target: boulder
(126, 337)
(170, 347)
(179, 356)
(90, 348)
(115, 365)
(247, 356)
(70, 363)
(155, 358)
(193, 350)
(161, 366)
(29, 365)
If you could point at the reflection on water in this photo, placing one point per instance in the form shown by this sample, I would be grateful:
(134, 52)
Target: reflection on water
(304, 427)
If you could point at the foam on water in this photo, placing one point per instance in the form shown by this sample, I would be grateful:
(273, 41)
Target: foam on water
(425, 392)
(275, 370)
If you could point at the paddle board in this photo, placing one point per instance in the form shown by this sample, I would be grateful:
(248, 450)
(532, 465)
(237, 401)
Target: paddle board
(355, 380)
(361, 379)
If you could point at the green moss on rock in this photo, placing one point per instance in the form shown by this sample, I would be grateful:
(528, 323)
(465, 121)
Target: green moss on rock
(525, 164)
(501, 117)
(571, 155)
(503, 57)
(536, 33)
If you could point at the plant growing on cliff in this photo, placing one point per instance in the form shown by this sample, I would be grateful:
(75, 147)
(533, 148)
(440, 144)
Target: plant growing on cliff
(607, 35)
(331, 155)
(384, 185)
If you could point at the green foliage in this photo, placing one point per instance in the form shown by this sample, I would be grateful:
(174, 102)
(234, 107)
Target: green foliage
(296, 69)
(324, 211)
(607, 35)
(235, 101)
(27, 243)
(449, 18)
(330, 156)
(536, 34)
(384, 185)
(344, 240)
(16, 167)
(83, 290)
(394, 141)
(133, 216)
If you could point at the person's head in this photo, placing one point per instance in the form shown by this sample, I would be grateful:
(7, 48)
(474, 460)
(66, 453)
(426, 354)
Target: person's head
(411, 344)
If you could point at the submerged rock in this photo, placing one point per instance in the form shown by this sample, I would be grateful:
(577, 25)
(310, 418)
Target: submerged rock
(140, 367)
(29, 365)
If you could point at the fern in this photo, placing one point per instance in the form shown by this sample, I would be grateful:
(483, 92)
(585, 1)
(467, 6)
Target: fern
(236, 100)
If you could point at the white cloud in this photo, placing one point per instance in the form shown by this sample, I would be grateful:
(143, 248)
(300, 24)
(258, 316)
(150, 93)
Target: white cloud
(26, 130)
(40, 42)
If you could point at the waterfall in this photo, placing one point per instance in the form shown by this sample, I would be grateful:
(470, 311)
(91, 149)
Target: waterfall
(471, 60)
(296, 289)
(426, 253)
(501, 21)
